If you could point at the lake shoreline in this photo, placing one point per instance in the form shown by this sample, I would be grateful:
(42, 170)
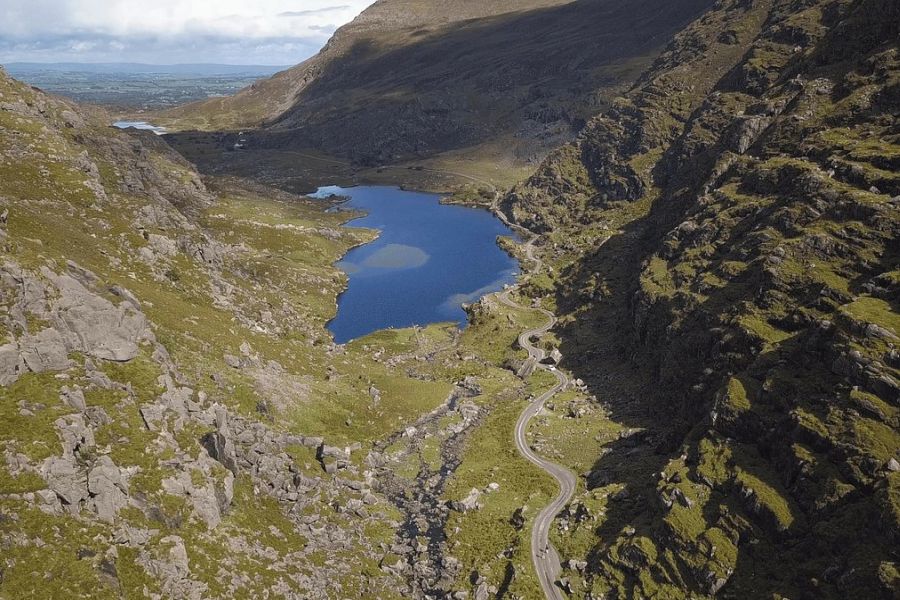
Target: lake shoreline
(418, 268)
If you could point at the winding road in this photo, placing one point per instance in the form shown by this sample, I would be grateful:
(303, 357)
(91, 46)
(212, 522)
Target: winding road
(543, 554)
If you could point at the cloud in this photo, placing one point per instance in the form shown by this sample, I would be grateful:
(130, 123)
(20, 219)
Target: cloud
(315, 11)
(166, 31)
(324, 28)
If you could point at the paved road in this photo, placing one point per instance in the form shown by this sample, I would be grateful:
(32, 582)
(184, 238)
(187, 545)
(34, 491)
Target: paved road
(543, 555)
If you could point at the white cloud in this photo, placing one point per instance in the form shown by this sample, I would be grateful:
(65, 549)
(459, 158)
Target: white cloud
(267, 31)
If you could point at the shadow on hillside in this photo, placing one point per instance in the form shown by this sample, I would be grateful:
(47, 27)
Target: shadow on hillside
(536, 74)
(597, 349)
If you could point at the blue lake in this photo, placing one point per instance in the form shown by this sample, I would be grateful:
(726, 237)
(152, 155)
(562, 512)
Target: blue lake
(428, 260)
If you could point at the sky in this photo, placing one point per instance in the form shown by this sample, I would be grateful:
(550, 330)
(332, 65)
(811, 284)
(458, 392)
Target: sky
(257, 32)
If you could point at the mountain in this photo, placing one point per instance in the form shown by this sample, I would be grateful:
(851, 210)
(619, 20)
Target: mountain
(409, 80)
(718, 243)
(725, 243)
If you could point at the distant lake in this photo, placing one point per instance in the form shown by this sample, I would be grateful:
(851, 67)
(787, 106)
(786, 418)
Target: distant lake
(140, 125)
(428, 260)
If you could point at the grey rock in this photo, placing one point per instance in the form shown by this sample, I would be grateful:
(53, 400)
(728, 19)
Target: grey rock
(49, 502)
(96, 416)
(153, 415)
(126, 295)
(204, 502)
(95, 325)
(73, 398)
(877, 331)
(82, 275)
(481, 591)
(108, 489)
(45, 351)
(133, 537)
(221, 449)
(163, 245)
(99, 379)
(71, 119)
(12, 364)
(64, 479)
(74, 434)
(172, 569)
(326, 451)
(467, 504)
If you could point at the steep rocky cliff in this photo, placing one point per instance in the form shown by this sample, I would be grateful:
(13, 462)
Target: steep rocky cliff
(735, 222)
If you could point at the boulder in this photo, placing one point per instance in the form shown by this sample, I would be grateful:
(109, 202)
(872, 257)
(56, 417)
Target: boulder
(108, 489)
(65, 480)
(74, 434)
(73, 398)
(204, 500)
(171, 567)
(11, 364)
(162, 245)
(334, 452)
(44, 351)
(49, 502)
(555, 356)
(467, 504)
(153, 415)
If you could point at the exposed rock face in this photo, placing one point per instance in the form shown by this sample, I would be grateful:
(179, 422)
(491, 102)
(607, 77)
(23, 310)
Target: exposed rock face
(173, 569)
(108, 489)
(43, 351)
(66, 481)
(80, 321)
(96, 326)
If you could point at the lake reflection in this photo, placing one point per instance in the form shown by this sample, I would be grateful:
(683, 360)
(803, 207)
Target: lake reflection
(428, 260)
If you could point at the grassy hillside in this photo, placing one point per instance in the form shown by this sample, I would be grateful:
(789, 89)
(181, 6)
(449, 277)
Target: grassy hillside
(396, 21)
(499, 82)
(726, 247)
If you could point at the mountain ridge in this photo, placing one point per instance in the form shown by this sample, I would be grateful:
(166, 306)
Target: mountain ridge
(480, 78)
(760, 243)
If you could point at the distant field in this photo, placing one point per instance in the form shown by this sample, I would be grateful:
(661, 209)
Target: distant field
(137, 86)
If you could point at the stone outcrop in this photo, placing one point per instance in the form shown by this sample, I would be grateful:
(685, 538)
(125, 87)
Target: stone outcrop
(108, 489)
(78, 320)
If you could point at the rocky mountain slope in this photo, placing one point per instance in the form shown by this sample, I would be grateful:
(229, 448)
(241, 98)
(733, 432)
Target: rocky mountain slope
(727, 234)
(410, 79)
